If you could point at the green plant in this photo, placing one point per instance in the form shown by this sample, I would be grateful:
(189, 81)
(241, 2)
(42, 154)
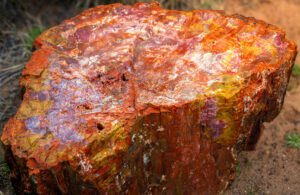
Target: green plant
(31, 35)
(293, 140)
(248, 164)
(252, 191)
(237, 167)
(206, 4)
(296, 71)
(4, 166)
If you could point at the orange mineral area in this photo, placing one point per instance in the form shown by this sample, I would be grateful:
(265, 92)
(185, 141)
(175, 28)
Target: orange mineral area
(139, 99)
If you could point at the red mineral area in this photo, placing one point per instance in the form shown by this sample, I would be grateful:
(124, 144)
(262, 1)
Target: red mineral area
(140, 100)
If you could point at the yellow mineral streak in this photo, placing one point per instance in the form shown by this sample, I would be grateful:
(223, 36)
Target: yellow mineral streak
(33, 108)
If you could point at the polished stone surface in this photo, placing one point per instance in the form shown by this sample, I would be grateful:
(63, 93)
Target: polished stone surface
(139, 99)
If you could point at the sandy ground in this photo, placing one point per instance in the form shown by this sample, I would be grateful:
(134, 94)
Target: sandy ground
(270, 169)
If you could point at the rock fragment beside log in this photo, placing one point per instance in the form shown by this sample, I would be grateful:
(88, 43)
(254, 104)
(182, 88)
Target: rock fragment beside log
(140, 100)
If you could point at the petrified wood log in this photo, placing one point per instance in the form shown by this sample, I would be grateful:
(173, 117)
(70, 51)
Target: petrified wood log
(139, 100)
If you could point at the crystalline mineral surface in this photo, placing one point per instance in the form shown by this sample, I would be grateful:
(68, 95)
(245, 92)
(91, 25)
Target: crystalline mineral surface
(139, 99)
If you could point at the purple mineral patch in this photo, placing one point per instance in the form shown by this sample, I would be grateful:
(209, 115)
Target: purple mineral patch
(208, 117)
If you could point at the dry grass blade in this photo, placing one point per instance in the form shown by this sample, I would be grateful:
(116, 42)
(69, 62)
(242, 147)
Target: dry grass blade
(13, 57)
(13, 68)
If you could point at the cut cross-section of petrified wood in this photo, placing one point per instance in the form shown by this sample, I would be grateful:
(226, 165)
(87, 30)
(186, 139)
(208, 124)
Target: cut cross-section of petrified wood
(139, 100)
